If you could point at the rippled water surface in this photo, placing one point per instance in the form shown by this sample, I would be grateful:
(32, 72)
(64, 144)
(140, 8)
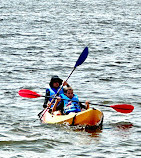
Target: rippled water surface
(42, 38)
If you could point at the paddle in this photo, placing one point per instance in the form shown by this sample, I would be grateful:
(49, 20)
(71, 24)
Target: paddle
(29, 94)
(123, 108)
(79, 61)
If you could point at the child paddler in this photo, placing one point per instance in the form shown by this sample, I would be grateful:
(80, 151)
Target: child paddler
(54, 84)
(68, 102)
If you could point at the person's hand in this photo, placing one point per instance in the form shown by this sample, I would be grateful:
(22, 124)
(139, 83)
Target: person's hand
(65, 83)
(58, 99)
(49, 105)
(87, 104)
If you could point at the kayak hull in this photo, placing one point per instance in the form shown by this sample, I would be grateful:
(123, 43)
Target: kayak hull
(90, 117)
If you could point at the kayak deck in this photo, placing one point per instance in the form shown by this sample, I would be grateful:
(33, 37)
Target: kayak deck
(90, 117)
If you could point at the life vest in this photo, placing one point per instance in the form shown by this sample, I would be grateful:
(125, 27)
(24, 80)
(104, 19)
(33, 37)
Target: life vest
(71, 106)
(53, 92)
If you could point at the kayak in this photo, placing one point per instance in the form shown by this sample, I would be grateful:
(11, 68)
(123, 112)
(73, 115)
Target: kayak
(89, 117)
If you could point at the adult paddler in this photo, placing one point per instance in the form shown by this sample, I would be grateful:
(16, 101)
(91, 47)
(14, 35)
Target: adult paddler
(54, 84)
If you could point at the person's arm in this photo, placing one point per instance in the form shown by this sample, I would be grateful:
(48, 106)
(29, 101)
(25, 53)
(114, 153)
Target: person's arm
(86, 106)
(65, 84)
(46, 99)
(56, 103)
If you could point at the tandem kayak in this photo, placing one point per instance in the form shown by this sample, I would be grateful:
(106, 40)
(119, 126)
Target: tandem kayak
(89, 117)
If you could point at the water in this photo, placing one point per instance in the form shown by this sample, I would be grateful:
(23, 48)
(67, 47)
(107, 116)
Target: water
(44, 38)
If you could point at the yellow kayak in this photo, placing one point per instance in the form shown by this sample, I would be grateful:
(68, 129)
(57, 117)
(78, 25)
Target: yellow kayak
(90, 117)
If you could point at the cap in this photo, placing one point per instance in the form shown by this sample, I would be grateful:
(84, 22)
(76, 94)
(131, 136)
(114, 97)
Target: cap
(55, 79)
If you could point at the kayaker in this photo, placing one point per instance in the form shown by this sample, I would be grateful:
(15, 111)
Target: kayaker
(54, 84)
(69, 102)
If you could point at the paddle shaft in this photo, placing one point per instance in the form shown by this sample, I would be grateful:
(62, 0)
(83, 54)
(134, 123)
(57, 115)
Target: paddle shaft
(79, 61)
(57, 93)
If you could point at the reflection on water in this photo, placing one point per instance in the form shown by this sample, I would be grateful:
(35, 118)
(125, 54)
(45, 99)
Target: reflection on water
(92, 131)
(124, 125)
(122, 130)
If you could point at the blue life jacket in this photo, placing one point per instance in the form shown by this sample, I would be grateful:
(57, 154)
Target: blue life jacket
(71, 106)
(53, 92)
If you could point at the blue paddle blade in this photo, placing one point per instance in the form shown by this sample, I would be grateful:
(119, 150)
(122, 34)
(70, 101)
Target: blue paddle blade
(82, 57)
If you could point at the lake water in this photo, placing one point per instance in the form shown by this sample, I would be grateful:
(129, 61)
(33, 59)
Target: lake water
(42, 38)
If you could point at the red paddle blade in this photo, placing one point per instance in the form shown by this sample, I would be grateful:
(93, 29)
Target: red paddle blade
(28, 93)
(123, 108)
